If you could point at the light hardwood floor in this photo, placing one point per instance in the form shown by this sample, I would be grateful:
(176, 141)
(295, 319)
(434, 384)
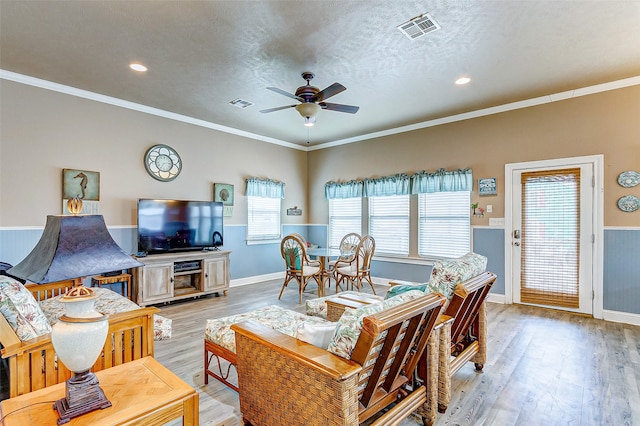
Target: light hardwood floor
(544, 367)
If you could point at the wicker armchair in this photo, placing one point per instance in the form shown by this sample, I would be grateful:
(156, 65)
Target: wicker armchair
(466, 338)
(283, 380)
(462, 337)
(294, 253)
(357, 270)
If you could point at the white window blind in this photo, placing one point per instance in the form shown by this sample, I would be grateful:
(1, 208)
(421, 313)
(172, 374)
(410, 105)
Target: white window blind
(444, 224)
(345, 216)
(263, 218)
(550, 254)
(389, 224)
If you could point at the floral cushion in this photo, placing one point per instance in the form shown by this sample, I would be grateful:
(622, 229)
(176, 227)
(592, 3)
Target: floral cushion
(219, 331)
(292, 258)
(21, 310)
(107, 302)
(399, 289)
(447, 273)
(350, 324)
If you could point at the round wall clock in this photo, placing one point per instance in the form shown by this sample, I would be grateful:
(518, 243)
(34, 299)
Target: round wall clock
(162, 163)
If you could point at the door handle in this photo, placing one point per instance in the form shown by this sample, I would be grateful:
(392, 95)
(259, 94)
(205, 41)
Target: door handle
(516, 234)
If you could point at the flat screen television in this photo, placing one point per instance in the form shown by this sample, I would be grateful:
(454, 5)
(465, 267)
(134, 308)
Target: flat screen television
(176, 225)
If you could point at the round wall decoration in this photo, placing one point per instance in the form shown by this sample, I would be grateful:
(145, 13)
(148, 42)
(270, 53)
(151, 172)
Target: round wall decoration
(162, 163)
(629, 179)
(629, 203)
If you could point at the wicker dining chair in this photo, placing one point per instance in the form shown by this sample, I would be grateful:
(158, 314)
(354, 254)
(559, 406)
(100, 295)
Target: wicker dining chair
(308, 261)
(354, 273)
(294, 253)
(348, 245)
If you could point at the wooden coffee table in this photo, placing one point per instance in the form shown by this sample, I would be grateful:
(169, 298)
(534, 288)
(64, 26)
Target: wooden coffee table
(142, 392)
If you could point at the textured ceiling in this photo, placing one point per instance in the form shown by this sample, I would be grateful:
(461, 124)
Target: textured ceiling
(203, 54)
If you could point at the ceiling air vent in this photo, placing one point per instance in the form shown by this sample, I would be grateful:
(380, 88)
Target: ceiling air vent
(241, 103)
(419, 26)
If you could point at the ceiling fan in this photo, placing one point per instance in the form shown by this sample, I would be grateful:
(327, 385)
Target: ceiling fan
(312, 100)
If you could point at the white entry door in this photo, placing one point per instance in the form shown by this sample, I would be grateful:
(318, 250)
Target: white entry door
(551, 233)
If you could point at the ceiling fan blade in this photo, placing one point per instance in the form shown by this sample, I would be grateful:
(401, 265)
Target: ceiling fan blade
(287, 94)
(277, 108)
(330, 91)
(339, 107)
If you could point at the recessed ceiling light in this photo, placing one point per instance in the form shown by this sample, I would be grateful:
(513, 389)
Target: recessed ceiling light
(137, 67)
(463, 80)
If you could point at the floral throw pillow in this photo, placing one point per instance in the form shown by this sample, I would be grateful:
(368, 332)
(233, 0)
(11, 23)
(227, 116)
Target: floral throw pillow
(350, 324)
(447, 273)
(21, 310)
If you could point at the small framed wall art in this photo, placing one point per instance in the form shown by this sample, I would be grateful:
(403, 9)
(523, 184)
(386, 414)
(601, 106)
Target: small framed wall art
(223, 192)
(82, 184)
(487, 186)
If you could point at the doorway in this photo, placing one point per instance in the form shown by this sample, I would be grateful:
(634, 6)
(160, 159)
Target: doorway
(553, 234)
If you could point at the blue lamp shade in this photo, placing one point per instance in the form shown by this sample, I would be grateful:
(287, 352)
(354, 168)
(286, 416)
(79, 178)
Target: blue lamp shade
(73, 247)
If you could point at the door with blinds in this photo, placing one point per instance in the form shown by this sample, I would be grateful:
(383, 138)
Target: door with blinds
(552, 236)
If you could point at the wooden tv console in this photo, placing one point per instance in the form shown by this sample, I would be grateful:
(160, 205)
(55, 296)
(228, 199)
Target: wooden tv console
(173, 276)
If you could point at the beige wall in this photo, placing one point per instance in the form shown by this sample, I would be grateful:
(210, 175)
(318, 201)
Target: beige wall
(43, 132)
(606, 123)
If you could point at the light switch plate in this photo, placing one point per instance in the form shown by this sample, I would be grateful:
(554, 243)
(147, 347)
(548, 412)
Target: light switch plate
(496, 221)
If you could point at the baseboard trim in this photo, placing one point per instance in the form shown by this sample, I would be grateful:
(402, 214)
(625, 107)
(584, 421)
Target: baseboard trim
(496, 298)
(625, 317)
(256, 279)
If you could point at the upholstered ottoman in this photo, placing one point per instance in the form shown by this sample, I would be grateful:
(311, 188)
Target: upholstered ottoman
(220, 342)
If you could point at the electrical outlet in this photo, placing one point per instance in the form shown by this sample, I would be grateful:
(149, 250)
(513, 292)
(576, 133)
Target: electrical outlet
(489, 208)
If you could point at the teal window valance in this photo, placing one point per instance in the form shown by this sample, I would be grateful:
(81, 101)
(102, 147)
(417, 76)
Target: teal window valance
(442, 181)
(351, 189)
(398, 184)
(265, 188)
(402, 184)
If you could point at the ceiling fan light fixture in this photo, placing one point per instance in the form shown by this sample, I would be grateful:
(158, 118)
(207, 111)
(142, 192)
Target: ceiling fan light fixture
(309, 121)
(308, 109)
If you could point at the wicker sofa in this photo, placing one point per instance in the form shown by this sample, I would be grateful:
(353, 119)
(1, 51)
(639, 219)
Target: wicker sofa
(28, 313)
(365, 374)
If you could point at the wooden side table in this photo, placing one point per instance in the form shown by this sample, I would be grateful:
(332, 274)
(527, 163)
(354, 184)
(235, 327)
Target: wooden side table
(337, 305)
(142, 392)
(122, 279)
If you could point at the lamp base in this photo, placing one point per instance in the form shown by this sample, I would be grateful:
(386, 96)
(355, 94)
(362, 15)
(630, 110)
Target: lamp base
(83, 395)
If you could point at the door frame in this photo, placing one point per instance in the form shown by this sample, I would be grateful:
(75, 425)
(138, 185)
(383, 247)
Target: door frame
(597, 161)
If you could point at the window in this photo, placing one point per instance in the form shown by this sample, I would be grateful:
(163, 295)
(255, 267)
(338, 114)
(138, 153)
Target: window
(389, 224)
(263, 218)
(345, 216)
(444, 224)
